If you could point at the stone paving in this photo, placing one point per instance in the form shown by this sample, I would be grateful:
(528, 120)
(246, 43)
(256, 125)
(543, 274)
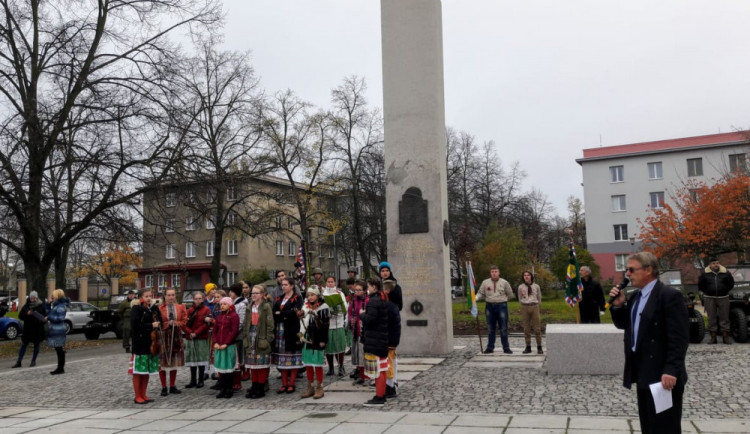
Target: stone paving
(464, 382)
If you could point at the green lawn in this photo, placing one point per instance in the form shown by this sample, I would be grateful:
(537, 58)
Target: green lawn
(554, 310)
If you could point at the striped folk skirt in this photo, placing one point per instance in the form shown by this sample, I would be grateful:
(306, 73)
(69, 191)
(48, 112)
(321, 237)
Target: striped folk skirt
(374, 365)
(253, 359)
(197, 352)
(282, 358)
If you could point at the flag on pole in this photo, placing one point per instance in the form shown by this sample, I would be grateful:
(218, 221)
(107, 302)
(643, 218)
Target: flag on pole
(301, 264)
(574, 287)
(471, 299)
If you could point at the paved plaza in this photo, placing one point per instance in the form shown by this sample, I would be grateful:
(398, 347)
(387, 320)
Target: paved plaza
(462, 392)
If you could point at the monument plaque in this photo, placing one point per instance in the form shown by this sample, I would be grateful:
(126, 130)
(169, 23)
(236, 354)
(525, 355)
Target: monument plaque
(412, 213)
(416, 186)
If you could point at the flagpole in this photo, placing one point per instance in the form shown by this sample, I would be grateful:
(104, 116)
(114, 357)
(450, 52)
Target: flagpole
(469, 276)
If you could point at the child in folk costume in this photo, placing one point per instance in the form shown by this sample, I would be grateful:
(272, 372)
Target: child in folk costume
(226, 327)
(336, 301)
(394, 338)
(316, 316)
(377, 320)
(258, 337)
(218, 294)
(197, 352)
(240, 307)
(287, 354)
(359, 300)
(144, 357)
(172, 356)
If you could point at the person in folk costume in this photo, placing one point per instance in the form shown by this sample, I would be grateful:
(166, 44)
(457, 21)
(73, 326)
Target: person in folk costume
(226, 328)
(377, 320)
(337, 341)
(197, 352)
(173, 318)
(215, 311)
(287, 354)
(240, 307)
(144, 357)
(316, 316)
(258, 337)
(359, 300)
(394, 338)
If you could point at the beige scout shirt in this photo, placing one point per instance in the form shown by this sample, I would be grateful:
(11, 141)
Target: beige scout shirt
(534, 296)
(495, 292)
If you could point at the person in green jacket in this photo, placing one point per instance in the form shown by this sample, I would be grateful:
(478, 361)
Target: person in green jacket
(123, 311)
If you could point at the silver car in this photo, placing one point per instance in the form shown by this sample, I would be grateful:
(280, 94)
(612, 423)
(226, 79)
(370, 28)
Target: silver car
(78, 315)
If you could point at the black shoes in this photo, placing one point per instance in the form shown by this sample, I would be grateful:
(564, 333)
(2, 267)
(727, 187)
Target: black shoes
(18, 365)
(488, 351)
(164, 391)
(57, 371)
(33, 363)
(342, 371)
(390, 392)
(175, 391)
(539, 350)
(330, 372)
(507, 351)
(527, 350)
(376, 401)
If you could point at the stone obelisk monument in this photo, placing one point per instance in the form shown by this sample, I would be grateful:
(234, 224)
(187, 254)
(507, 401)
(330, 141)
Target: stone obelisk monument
(416, 189)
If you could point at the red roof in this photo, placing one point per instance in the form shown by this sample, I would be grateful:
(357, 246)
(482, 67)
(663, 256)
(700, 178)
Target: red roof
(671, 144)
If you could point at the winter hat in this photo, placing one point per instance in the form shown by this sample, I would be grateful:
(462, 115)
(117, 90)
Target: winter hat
(33, 294)
(226, 300)
(712, 259)
(317, 271)
(209, 286)
(384, 264)
(352, 270)
(313, 289)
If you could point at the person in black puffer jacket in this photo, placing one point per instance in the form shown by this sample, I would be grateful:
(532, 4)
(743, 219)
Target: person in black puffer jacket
(715, 283)
(32, 314)
(377, 321)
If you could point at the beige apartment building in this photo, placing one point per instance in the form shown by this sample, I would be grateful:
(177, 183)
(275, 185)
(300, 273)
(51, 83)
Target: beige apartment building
(263, 232)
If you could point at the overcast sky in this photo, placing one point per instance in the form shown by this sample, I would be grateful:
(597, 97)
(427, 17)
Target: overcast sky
(543, 79)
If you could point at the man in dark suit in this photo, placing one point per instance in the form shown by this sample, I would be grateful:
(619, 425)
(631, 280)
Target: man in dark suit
(656, 328)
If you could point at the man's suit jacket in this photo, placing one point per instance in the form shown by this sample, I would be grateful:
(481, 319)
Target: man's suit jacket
(663, 336)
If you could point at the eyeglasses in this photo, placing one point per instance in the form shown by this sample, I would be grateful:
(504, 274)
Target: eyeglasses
(631, 270)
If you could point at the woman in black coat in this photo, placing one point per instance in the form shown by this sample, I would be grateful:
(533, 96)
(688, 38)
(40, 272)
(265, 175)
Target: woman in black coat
(377, 319)
(144, 357)
(287, 354)
(32, 314)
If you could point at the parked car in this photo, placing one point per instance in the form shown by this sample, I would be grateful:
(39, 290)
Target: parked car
(739, 303)
(105, 320)
(78, 315)
(10, 328)
(457, 291)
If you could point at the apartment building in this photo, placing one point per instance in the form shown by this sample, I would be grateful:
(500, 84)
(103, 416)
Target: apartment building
(621, 183)
(179, 233)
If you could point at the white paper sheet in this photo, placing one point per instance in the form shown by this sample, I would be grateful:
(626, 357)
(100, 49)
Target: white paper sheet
(662, 397)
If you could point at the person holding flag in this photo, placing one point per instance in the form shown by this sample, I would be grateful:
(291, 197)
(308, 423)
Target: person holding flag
(574, 286)
(497, 292)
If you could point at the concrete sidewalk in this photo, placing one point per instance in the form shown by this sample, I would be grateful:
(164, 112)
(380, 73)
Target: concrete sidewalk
(79, 421)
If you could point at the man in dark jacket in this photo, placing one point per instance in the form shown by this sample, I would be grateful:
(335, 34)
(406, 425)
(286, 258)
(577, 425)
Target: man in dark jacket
(656, 327)
(123, 310)
(592, 298)
(33, 315)
(715, 283)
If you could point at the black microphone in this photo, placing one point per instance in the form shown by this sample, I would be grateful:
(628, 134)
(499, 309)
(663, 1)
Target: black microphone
(620, 286)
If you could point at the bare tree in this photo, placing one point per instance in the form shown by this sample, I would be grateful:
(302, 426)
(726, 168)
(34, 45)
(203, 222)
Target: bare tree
(83, 124)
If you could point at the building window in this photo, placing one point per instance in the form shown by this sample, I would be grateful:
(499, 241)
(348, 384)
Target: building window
(190, 250)
(738, 163)
(278, 222)
(616, 174)
(211, 196)
(148, 281)
(210, 223)
(169, 226)
(231, 193)
(695, 166)
(657, 199)
(232, 277)
(231, 247)
(654, 170)
(170, 200)
(176, 281)
(209, 248)
(618, 203)
(621, 232)
(162, 282)
(290, 223)
(170, 251)
(292, 248)
(322, 230)
(620, 262)
(330, 253)
(279, 248)
(190, 223)
(320, 252)
(232, 218)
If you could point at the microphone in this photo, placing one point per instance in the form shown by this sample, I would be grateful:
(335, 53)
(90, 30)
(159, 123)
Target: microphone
(620, 286)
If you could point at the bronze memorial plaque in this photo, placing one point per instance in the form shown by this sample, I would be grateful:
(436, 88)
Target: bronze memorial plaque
(412, 212)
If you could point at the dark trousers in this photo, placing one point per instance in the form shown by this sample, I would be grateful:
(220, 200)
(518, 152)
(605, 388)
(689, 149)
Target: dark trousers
(666, 422)
(497, 317)
(22, 350)
(589, 314)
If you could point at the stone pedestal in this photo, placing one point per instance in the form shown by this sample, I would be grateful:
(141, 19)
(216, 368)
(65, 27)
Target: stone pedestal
(83, 291)
(115, 286)
(584, 349)
(416, 189)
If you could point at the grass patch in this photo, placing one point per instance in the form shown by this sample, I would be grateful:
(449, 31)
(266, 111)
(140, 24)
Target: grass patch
(11, 349)
(554, 310)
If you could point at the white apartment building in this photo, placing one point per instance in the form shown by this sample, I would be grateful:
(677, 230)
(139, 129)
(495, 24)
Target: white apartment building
(621, 183)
